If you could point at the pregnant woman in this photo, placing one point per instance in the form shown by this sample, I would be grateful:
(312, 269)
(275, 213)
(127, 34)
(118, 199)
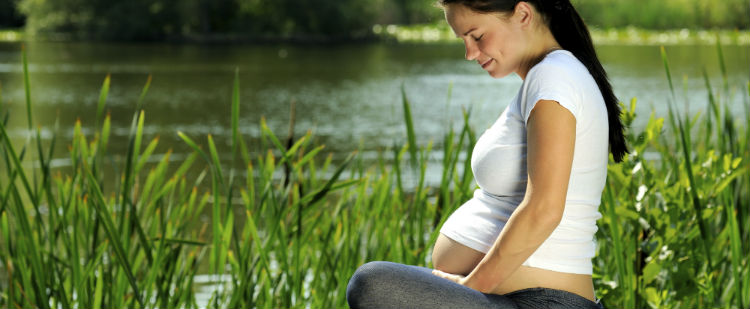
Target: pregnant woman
(526, 238)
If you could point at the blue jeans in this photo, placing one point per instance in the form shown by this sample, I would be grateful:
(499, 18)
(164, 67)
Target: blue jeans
(393, 285)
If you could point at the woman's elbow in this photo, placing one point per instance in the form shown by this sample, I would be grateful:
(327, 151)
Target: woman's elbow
(549, 213)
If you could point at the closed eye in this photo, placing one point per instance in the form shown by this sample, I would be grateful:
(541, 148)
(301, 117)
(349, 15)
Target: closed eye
(479, 38)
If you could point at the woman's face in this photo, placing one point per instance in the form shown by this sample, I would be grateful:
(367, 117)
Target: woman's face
(494, 41)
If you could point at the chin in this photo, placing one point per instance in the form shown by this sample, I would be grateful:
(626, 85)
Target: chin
(496, 74)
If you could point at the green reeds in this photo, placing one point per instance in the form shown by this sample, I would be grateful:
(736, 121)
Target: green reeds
(671, 212)
(288, 225)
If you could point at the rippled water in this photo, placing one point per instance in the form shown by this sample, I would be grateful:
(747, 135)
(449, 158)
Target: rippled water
(348, 95)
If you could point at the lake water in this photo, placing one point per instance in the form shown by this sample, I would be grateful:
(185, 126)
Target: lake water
(348, 95)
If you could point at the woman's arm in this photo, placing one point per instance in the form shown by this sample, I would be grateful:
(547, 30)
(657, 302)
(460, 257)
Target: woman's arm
(550, 142)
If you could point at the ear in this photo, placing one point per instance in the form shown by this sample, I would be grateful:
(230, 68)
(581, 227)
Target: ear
(523, 13)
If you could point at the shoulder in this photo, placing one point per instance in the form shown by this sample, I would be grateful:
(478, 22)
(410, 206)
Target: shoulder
(560, 64)
(558, 77)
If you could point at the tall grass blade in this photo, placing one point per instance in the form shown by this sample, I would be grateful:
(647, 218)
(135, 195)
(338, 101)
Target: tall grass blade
(17, 163)
(623, 274)
(112, 234)
(99, 290)
(235, 113)
(218, 249)
(35, 277)
(193, 145)
(713, 107)
(143, 159)
(669, 74)
(132, 155)
(274, 140)
(696, 202)
(102, 100)
(722, 66)
(316, 196)
(736, 248)
(139, 104)
(408, 120)
(26, 85)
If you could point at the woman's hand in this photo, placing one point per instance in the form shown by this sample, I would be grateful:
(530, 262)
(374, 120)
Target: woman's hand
(452, 277)
(462, 280)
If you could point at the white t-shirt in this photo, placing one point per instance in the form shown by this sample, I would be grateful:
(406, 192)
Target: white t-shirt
(499, 165)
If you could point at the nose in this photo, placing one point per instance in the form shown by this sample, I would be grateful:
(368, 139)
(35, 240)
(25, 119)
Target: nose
(472, 52)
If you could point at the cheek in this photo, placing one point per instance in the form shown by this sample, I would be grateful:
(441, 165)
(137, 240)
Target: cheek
(490, 46)
(485, 48)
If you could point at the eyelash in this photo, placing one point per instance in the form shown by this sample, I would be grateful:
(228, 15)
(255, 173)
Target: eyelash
(479, 38)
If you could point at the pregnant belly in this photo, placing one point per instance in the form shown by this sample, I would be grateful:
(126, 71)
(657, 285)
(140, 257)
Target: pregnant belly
(451, 256)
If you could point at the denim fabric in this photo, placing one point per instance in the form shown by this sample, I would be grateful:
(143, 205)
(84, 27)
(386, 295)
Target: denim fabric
(393, 285)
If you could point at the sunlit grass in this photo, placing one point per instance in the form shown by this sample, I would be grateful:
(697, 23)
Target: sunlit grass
(289, 224)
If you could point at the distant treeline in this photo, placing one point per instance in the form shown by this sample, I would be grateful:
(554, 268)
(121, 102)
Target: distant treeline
(344, 19)
(666, 14)
(159, 19)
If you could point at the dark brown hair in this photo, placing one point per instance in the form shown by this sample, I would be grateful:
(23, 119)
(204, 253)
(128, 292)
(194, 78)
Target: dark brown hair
(572, 34)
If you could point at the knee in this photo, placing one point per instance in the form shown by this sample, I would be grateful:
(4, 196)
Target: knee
(369, 281)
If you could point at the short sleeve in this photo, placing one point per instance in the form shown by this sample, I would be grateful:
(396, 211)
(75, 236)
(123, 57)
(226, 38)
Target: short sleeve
(550, 82)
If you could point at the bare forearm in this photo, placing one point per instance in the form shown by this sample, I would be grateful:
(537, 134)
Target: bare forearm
(525, 231)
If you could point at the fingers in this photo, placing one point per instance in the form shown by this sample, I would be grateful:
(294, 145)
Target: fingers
(452, 277)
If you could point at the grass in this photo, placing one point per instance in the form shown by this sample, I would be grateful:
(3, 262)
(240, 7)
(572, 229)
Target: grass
(289, 225)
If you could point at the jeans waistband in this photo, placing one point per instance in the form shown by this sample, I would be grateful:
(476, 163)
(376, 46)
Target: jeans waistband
(542, 295)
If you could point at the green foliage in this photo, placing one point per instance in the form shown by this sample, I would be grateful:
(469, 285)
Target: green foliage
(159, 19)
(100, 19)
(412, 11)
(665, 14)
(291, 230)
(675, 211)
(302, 19)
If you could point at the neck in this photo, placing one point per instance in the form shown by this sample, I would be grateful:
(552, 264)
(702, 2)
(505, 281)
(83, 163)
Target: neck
(538, 49)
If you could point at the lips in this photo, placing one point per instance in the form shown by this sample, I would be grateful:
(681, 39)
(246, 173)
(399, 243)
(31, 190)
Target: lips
(486, 63)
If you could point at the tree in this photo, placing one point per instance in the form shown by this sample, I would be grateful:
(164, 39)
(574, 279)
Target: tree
(10, 17)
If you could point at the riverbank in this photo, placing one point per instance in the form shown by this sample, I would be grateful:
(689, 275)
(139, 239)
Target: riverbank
(441, 33)
(11, 35)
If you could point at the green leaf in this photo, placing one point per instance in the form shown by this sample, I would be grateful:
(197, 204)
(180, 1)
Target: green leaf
(314, 197)
(180, 241)
(409, 127)
(143, 158)
(651, 271)
(26, 85)
(102, 99)
(99, 290)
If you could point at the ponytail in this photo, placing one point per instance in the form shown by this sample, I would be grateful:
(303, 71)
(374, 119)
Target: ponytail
(572, 34)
